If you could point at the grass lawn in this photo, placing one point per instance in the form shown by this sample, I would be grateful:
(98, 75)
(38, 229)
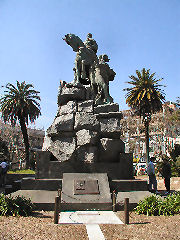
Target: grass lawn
(24, 171)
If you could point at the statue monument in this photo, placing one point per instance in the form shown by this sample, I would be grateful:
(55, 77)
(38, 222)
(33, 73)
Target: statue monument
(85, 134)
(83, 153)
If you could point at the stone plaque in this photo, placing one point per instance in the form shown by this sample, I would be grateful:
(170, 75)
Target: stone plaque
(86, 187)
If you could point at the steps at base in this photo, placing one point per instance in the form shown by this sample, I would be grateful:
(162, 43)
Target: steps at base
(128, 185)
(41, 184)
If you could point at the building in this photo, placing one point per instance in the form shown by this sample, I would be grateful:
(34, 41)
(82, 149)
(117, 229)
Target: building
(163, 132)
(14, 139)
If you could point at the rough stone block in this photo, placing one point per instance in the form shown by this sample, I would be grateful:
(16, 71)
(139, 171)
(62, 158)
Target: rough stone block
(62, 123)
(70, 107)
(52, 130)
(86, 121)
(86, 154)
(47, 142)
(86, 106)
(85, 136)
(106, 108)
(110, 128)
(71, 93)
(63, 149)
(108, 115)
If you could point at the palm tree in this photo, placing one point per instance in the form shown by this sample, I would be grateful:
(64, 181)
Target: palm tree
(20, 104)
(145, 98)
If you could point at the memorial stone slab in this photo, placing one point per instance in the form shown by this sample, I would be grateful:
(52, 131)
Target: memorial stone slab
(95, 187)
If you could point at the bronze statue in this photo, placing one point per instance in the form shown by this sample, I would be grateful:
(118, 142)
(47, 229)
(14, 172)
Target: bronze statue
(103, 74)
(89, 69)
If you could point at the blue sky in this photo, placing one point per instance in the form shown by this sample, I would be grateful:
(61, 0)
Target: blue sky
(134, 34)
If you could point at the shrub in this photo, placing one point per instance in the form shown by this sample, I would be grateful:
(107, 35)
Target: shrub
(170, 205)
(17, 206)
(155, 205)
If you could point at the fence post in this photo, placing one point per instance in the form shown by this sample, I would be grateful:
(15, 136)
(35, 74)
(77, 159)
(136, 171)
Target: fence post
(114, 201)
(56, 210)
(126, 210)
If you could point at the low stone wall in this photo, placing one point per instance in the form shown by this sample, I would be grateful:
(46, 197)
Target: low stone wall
(10, 178)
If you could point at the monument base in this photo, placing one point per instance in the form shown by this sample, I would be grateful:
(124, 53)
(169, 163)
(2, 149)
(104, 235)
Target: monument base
(85, 191)
(48, 169)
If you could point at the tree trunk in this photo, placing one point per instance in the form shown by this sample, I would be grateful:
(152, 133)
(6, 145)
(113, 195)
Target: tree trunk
(146, 124)
(26, 140)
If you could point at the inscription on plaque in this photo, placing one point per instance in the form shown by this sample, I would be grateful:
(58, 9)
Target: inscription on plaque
(86, 187)
(80, 185)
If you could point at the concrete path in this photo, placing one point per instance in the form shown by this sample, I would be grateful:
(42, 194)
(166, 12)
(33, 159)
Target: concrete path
(94, 232)
(91, 219)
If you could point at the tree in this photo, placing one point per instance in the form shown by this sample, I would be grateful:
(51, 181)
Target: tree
(175, 116)
(20, 104)
(145, 98)
(4, 152)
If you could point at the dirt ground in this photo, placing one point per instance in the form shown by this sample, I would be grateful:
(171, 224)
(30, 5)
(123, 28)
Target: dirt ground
(175, 182)
(40, 226)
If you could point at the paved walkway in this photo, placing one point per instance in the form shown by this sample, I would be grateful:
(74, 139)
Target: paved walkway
(91, 219)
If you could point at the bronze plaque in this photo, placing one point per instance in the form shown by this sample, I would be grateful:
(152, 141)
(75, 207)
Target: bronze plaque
(86, 187)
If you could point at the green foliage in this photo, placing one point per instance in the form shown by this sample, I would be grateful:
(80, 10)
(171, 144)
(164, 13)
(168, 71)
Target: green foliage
(145, 96)
(156, 206)
(178, 161)
(17, 206)
(175, 155)
(170, 205)
(20, 103)
(148, 206)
